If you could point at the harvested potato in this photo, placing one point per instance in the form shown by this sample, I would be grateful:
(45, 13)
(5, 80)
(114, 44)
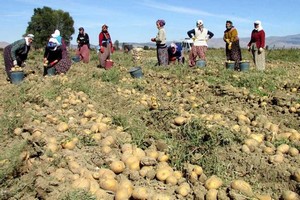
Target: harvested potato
(242, 187)
(213, 182)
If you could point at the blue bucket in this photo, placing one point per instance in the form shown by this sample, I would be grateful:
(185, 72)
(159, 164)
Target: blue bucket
(201, 63)
(244, 65)
(136, 72)
(51, 71)
(16, 77)
(76, 59)
(230, 65)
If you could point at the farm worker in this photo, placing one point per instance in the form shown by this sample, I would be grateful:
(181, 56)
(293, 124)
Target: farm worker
(52, 54)
(83, 49)
(200, 36)
(16, 53)
(257, 44)
(175, 53)
(232, 47)
(64, 63)
(160, 40)
(106, 46)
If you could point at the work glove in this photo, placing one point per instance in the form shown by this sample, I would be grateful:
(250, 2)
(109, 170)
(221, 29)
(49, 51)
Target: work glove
(153, 39)
(45, 62)
(249, 48)
(227, 41)
(260, 50)
(15, 63)
(194, 38)
(230, 46)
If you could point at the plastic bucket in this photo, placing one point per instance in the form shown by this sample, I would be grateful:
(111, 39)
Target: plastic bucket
(200, 63)
(16, 77)
(76, 59)
(244, 65)
(230, 65)
(136, 72)
(108, 64)
(51, 71)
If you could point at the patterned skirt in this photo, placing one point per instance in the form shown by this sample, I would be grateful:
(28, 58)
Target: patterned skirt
(162, 55)
(234, 54)
(197, 51)
(63, 65)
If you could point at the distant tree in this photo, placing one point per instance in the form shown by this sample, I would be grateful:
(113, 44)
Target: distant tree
(146, 48)
(44, 22)
(117, 45)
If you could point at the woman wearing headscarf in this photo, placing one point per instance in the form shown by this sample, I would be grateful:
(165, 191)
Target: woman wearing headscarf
(175, 53)
(200, 36)
(83, 50)
(161, 47)
(52, 54)
(16, 53)
(257, 45)
(232, 48)
(64, 64)
(105, 44)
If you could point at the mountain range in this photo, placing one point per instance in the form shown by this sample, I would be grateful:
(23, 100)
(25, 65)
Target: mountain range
(273, 42)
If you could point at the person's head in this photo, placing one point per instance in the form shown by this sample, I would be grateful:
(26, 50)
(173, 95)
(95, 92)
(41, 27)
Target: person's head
(257, 25)
(160, 23)
(29, 39)
(199, 23)
(173, 47)
(228, 24)
(104, 28)
(56, 33)
(52, 44)
(81, 30)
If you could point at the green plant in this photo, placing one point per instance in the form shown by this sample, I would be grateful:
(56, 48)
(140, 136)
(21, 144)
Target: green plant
(112, 75)
(78, 195)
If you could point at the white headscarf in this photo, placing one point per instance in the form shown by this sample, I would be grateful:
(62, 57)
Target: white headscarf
(29, 36)
(259, 27)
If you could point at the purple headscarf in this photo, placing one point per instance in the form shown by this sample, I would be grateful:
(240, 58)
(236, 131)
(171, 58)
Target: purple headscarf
(161, 22)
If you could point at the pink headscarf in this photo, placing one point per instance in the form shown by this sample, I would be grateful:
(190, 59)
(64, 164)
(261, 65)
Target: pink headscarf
(161, 22)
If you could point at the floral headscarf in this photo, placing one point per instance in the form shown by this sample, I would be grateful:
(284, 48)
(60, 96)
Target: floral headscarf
(161, 22)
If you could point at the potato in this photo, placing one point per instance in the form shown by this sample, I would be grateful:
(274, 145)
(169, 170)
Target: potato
(296, 175)
(278, 158)
(152, 153)
(106, 173)
(109, 184)
(163, 157)
(127, 184)
(133, 163)
(251, 143)
(213, 182)
(258, 137)
(172, 180)
(117, 166)
(122, 194)
(140, 193)
(242, 187)
(160, 196)
(74, 167)
(126, 147)
(145, 169)
(198, 170)
(289, 195)
(177, 174)
(163, 173)
(18, 131)
(62, 127)
(211, 194)
(138, 152)
(263, 197)
(283, 148)
(180, 121)
(293, 151)
(269, 150)
(184, 189)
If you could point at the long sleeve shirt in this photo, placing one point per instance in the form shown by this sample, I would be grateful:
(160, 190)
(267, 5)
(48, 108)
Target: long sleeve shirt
(104, 39)
(231, 35)
(259, 38)
(83, 39)
(161, 37)
(19, 50)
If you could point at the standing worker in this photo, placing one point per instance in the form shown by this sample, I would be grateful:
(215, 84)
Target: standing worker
(83, 49)
(200, 36)
(232, 48)
(257, 44)
(160, 40)
(106, 46)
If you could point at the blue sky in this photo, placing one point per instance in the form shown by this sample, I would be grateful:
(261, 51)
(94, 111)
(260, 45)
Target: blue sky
(134, 20)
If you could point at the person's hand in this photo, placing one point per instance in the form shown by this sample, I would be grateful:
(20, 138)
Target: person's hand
(15, 63)
(194, 38)
(45, 62)
(230, 46)
(23, 64)
(260, 50)
(153, 39)
(249, 48)
(227, 41)
(102, 49)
